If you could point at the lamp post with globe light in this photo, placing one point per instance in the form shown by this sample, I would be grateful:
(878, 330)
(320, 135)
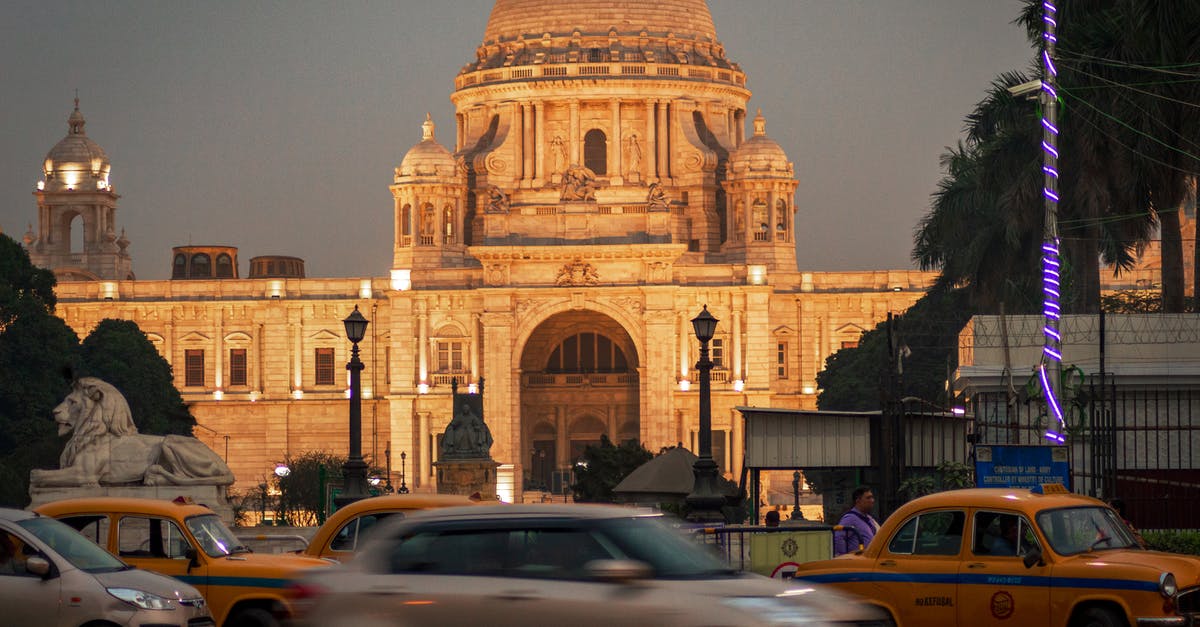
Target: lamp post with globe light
(705, 500)
(354, 471)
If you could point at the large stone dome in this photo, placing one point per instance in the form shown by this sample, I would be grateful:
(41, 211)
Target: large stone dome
(76, 162)
(512, 19)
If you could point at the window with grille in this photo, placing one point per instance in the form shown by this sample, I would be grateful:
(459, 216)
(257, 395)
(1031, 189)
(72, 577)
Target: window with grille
(325, 366)
(781, 360)
(450, 356)
(587, 352)
(718, 352)
(193, 368)
(237, 366)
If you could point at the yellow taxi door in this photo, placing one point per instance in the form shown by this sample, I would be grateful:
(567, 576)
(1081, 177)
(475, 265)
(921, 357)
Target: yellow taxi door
(995, 587)
(158, 545)
(918, 569)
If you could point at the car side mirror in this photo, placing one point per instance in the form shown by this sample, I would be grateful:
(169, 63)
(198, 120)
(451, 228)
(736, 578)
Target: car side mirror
(38, 565)
(192, 558)
(617, 571)
(1032, 557)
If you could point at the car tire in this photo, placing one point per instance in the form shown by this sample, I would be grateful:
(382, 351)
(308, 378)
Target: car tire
(252, 617)
(1097, 617)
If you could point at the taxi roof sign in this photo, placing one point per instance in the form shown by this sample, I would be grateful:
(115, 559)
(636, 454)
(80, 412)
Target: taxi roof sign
(1051, 488)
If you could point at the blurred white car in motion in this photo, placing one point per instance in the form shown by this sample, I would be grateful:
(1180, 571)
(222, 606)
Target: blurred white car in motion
(561, 565)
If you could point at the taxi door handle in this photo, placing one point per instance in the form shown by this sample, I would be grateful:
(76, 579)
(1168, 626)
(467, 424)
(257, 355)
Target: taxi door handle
(977, 565)
(888, 563)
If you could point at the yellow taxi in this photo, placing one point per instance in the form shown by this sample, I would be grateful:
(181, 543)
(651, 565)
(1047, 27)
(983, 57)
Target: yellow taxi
(338, 539)
(189, 542)
(998, 556)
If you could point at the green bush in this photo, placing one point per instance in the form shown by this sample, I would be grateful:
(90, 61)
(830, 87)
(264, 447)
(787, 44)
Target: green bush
(1176, 541)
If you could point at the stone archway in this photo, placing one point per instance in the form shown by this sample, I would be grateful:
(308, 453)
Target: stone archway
(579, 382)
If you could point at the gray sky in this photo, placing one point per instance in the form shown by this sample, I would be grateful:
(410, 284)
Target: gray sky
(275, 126)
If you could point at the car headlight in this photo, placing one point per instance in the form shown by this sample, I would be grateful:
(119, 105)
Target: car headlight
(1166, 585)
(142, 599)
(772, 611)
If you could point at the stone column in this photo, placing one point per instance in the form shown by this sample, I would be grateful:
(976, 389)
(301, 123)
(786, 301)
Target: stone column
(527, 145)
(614, 144)
(426, 445)
(422, 347)
(539, 142)
(650, 145)
(518, 134)
(684, 366)
(474, 348)
(562, 444)
(461, 123)
(574, 108)
(219, 340)
(772, 219)
(664, 154)
(736, 331)
(295, 321)
(748, 216)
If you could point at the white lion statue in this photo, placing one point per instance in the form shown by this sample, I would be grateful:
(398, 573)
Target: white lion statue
(106, 448)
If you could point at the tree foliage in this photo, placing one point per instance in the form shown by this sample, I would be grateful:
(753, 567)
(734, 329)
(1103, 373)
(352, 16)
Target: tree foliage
(36, 351)
(118, 352)
(301, 496)
(604, 466)
(854, 378)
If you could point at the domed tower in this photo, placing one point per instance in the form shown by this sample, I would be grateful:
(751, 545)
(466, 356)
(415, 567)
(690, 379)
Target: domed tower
(429, 193)
(76, 188)
(620, 110)
(760, 189)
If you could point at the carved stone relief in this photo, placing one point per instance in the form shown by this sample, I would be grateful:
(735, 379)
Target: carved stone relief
(578, 272)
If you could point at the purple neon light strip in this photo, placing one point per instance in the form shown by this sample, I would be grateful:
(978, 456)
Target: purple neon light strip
(1049, 63)
(1053, 402)
(1050, 260)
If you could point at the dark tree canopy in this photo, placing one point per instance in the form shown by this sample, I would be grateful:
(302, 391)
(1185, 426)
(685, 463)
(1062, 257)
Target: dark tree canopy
(853, 378)
(604, 466)
(37, 350)
(118, 352)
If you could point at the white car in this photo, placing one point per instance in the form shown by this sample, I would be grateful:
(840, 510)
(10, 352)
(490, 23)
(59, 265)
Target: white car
(51, 575)
(560, 565)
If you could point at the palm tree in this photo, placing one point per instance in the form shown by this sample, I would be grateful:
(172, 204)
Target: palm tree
(1127, 71)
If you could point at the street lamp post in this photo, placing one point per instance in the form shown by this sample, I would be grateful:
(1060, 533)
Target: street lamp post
(705, 500)
(403, 462)
(354, 472)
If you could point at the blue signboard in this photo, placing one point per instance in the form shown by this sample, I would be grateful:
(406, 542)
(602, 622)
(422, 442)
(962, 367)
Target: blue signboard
(1013, 466)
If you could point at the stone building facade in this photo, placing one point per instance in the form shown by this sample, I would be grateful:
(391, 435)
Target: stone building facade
(598, 190)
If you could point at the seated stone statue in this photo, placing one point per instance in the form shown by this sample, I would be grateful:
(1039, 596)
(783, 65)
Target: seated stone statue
(579, 183)
(105, 448)
(467, 436)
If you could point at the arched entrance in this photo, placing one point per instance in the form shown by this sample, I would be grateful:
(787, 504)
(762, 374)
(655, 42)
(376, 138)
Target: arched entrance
(579, 382)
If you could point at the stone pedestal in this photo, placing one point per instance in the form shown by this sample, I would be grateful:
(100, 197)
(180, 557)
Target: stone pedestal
(211, 496)
(466, 477)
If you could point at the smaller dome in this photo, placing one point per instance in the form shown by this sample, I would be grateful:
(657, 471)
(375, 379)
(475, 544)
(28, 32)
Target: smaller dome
(759, 156)
(76, 162)
(428, 158)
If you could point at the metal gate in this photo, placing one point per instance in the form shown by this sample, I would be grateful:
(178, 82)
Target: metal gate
(1139, 445)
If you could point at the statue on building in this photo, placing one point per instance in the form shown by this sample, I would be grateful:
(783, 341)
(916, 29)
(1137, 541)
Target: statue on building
(633, 157)
(579, 183)
(498, 201)
(558, 148)
(657, 198)
(105, 448)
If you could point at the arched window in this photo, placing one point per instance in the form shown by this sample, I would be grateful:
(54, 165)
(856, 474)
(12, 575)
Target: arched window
(782, 219)
(179, 267)
(75, 231)
(587, 352)
(595, 151)
(406, 221)
(224, 266)
(758, 216)
(201, 266)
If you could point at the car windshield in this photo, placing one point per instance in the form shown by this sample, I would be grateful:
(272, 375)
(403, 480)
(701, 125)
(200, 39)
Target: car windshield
(668, 551)
(216, 540)
(73, 547)
(1072, 530)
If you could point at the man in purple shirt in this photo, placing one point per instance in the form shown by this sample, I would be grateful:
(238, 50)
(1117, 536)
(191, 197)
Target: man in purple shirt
(858, 527)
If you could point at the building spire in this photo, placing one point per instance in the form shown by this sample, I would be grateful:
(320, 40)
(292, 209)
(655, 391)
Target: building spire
(427, 128)
(760, 124)
(75, 122)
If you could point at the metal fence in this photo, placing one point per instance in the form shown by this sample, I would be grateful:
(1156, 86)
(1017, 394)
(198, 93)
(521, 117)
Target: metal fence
(1139, 445)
